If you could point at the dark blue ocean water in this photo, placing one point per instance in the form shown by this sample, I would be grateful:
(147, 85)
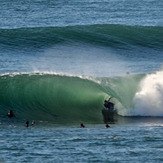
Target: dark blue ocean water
(132, 142)
(97, 37)
(59, 60)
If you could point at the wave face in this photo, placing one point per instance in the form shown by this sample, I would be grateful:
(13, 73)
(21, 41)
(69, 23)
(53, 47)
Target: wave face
(114, 36)
(50, 97)
(63, 99)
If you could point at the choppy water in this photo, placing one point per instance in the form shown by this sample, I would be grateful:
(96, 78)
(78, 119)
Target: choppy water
(132, 142)
(59, 60)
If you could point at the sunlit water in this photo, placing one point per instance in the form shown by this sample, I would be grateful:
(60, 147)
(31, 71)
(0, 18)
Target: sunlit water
(90, 38)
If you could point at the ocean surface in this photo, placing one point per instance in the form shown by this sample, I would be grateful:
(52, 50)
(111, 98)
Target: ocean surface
(59, 61)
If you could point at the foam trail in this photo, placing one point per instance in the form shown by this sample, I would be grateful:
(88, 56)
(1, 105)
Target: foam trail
(149, 99)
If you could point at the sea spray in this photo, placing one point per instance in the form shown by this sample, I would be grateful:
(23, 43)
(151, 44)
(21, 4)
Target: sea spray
(149, 99)
(63, 98)
(123, 89)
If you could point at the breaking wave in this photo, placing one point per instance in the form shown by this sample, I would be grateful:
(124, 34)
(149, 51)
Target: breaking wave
(63, 98)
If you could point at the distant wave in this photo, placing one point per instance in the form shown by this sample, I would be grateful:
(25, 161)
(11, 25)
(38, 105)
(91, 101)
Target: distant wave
(110, 35)
(61, 98)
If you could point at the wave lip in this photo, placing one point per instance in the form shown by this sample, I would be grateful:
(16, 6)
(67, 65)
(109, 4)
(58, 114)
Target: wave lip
(67, 98)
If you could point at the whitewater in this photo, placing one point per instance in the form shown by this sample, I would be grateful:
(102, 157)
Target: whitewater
(59, 61)
(50, 96)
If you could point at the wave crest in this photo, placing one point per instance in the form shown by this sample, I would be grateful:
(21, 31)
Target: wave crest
(110, 35)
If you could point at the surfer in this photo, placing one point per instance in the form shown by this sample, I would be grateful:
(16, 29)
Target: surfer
(10, 114)
(27, 123)
(81, 125)
(109, 105)
(107, 126)
(33, 122)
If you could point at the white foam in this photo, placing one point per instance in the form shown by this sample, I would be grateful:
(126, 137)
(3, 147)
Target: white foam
(149, 99)
(52, 73)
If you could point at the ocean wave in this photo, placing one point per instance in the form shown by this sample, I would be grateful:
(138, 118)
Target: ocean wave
(65, 98)
(51, 97)
(109, 35)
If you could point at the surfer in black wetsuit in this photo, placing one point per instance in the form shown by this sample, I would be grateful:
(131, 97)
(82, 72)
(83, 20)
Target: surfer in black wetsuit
(27, 123)
(106, 103)
(107, 126)
(10, 114)
(109, 105)
(81, 125)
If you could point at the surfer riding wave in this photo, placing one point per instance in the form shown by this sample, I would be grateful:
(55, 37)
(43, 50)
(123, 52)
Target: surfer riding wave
(109, 105)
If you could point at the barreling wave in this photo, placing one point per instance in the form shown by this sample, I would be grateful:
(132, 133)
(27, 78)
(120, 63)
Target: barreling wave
(110, 35)
(51, 97)
(63, 98)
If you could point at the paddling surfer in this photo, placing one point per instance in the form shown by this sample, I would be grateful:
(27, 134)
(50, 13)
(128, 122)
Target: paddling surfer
(82, 125)
(10, 114)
